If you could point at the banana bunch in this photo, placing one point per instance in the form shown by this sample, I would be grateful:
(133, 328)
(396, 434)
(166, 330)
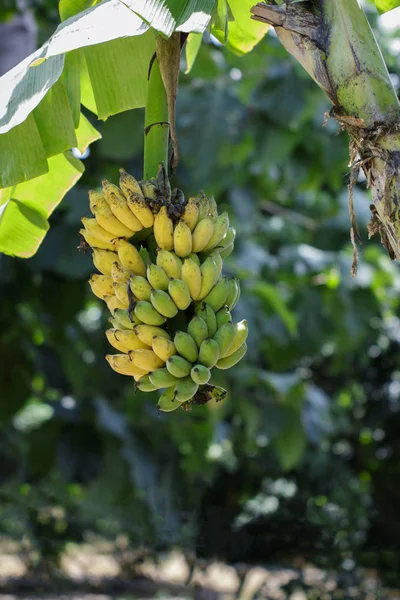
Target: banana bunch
(160, 262)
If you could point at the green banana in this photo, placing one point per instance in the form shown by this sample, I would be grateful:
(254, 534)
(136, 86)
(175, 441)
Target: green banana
(164, 304)
(167, 402)
(209, 276)
(140, 287)
(123, 319)
(179, 292)
(221, 224)
(186, 346)
(203, 204)
(148, 314)
(162, 378)
(200, 374)
(218, 295)
(206, 312)
(178, 366)
(195, 258)
(197, 328)
(224, 337)
(234, 293)
(212, 207)
(227, 251)
(157, 277)
(229, 361)
(241, 333)
(144, 384)
(228, 238)
(209, 353)
(185, 389)
(223, 316)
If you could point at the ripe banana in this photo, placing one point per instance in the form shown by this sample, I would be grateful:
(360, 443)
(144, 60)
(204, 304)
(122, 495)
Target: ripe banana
(128, 184)
(136, 201)
(221, 225)
(191, 213)
(121, 291)
(209, 276)
(164, 230)
(149, 189)
(103, 260)
(224, 337)
(185, 389)
(229, 361)
(130, 258)
(146, 359)
(170, 263)
(182, 239)
(195, 258)
(129, 339)
(146, 333)
(186, 346)
(179, 292)
(191, 275)
(197, 329)
(113, 303)
(102, 285)
(95, 242)
(162, 378)
(146, 313)
(157, 277)
(119, 274)
(163, 348)
(167, 402)
(140, 287)
(119, 206)
(202, 233)
(234, 293)
(121, 363)
(218, 295)
(209, 353)
(241, 333)
(110, 334)
(200, 374)
(92, 227)
(105, 218)
(164, 304)
(206, 312)
(202, 203)
(178, 366)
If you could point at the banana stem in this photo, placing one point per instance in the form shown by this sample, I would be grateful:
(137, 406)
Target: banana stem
(156, 130)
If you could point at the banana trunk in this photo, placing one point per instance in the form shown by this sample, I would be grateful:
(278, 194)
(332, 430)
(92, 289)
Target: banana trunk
(334, 43)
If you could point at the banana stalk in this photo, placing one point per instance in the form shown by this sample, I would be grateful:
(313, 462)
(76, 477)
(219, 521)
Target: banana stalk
(156, 125)
(334, 43)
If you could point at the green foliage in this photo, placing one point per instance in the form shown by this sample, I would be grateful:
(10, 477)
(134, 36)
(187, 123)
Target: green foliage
(386, 5)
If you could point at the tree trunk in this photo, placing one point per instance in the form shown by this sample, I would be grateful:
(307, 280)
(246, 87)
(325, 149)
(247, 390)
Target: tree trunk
(333, 41)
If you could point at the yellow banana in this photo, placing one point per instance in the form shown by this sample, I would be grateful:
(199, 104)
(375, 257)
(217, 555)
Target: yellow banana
(140, 287)
(191, 275)
(119, 273)
(102, 285)
(129, 339)
(202, 203)
(221, 225)
(146, 333)
(113, 303)
(119, 206)
(121, 291)
(163, 348)
(209, 276)
(122, 363)
(103, 260)
(128, 184)
(105, 217)
(182, 239)
(157, 277)
(130, 258)
(94, 242)
(202, 233)
(92, 226)
(149, 189)
(164, 230)
(191, 213)
(170, 263)
(139, 207)
(110, 333)
(146, 359)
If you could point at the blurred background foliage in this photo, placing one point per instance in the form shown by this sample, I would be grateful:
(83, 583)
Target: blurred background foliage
(303, 457)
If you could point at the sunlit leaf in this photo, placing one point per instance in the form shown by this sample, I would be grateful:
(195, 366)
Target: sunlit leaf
(244, 33)
(386, 5)
(192, 48)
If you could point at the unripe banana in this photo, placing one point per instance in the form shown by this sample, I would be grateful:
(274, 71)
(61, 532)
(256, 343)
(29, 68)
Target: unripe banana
(185, 389)
(217, 393)
(167, 402)
(113, 303)
(103, 260)
(191, 213)
(162, 378)
(95, 242)
(140, 287)
(105, 217)
(119, 206)
(224, 337)
(212, 207)
(186, 346)
(206, 312)
(197, 328)
(202, 233)
(121, 291)
(146, 359)
(163, 303)
(191, 275)
(144, 384)
(200, 374)
(223, 316)
(195, 258)
(92, 226)
(241, 333)
(146, 313)
(146, 333)
(119, 274)
(170, 263)
(178, 366)
(130, 258)
(179, 292)
(234, 293)
(215, 255)
(121, 363)
(102, 285)
(124, 319)
(202, 203)
(218, 295)
(110, 334)
(136, 201)
(164, 230)
(209, 353)
(226, 251)
(163, 348)
(229, 361)
(221, 225)
(209, 276)
(157, 277)
(129, 339)
(228, 238)
(182, 239)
